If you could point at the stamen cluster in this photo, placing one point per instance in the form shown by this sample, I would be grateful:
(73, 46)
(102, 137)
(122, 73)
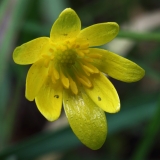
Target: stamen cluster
(70, 62)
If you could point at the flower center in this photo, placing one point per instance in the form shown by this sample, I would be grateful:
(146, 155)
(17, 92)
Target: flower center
(70, 51)
(70, 62)
(66, 57)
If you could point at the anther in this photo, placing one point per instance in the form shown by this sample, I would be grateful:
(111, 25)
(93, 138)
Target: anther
(80, 53)
(64, 79)
(83, 79)
(84, 46)
(46, 62)
(73, 86)
(53, 79)
(87, 68)
(90, 67)
(55, 73)
(97, 56)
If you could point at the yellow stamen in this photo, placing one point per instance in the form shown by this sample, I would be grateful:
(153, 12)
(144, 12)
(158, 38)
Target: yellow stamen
(84, 80)
(67, 55)
(85, 51)
(86, 71)
(53, 79)
(87, 68)
(88, 60)
(77, 46)
(91, 67)
(55, 73)
(80, 53)
(84, 46)
(64, 79)
(73, 86)
(63, 48)
(97, 56)
(46, 62)
(68, 44)
(50, 73)
(51, 50)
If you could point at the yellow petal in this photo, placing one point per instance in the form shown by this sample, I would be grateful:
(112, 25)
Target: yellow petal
(35, 78)
(49, 100)
(30, 52)
(67, 26)
(99, 34)
(104, 94)
(87, 120)
(117, 67)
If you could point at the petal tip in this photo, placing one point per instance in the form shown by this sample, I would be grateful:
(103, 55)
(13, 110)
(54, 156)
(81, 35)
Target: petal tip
(67, 10)
(29, 98)
(142, 73)
(98, 146)
(115, 26)
(118, 108)
(51, 118)
(15, 55)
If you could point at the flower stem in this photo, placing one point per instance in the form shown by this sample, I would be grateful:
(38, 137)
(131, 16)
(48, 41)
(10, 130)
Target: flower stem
(140, 36)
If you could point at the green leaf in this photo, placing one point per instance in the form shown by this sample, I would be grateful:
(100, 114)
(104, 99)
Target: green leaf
(140, 36)
(149, 136)
(43, 143)
(11, 16)
(134, 111)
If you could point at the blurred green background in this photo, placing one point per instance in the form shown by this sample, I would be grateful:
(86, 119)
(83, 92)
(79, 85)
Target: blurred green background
(133, 133)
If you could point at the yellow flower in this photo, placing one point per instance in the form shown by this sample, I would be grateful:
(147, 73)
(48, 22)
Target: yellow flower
(66, 70)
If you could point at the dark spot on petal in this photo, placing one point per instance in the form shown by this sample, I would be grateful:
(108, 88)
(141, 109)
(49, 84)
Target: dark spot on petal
(65, 34)
(56, 96)
(99, 98)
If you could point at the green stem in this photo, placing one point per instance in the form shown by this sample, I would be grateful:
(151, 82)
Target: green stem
(140, 36)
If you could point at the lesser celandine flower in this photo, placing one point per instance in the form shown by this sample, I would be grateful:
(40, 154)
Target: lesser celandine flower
(67, 69)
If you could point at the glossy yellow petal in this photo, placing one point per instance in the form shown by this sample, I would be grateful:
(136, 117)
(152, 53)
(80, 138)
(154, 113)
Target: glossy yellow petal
(49, 99)
(117, 67)
(104, 94)
(86, 119)
(35, 79)
(30, 52)
(100, 33)
(67, 26)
